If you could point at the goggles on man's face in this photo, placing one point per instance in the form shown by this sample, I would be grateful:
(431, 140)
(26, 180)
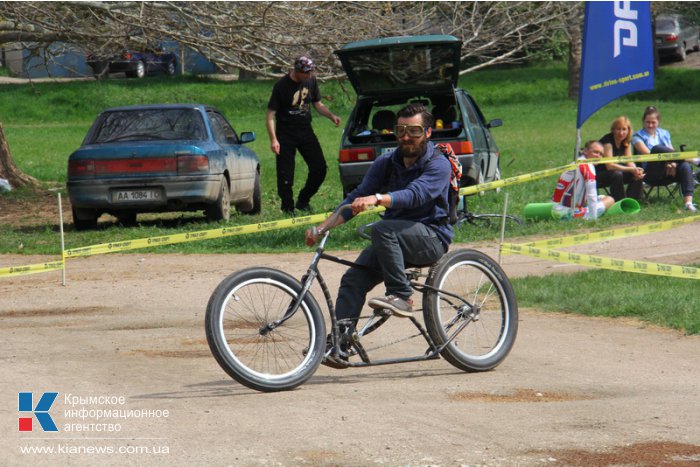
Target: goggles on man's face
(414, 131)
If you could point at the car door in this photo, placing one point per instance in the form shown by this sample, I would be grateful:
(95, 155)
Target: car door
(485, 158)
(238, 161)
(689, 33)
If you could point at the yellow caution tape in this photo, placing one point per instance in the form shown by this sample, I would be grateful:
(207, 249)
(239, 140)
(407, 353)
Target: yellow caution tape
(30, 269)
(114, 247)
(669, 156)
(614, 234)
(669, 270)
(135, 244)
(470, 190)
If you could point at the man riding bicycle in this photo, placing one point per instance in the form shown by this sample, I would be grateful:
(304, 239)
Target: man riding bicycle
(414, 230)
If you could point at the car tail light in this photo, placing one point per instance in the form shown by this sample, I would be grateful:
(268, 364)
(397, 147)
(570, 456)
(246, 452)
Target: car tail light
(671, 38)
(81, 168)
(462, 147)
(127, 55)
(356, 155)
(190, 163)
(135, 166)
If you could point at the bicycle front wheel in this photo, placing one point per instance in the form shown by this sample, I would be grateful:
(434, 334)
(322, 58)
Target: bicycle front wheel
(254, 338)
(474, 312)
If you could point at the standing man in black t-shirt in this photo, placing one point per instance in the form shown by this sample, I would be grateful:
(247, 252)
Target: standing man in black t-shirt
(289, 128)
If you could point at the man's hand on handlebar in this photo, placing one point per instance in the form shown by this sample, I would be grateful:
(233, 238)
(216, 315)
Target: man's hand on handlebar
(312, 236)
(361, 204)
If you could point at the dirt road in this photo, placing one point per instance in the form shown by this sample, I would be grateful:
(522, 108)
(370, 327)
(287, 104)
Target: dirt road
(123, 345)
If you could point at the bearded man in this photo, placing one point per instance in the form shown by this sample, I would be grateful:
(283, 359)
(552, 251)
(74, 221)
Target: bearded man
(414, 230)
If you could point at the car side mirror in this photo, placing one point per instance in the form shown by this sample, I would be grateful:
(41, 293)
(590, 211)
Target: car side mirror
(247, 137)
(496, 122)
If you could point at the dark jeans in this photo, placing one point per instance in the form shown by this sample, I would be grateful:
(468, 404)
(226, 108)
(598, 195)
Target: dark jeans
(304, 140)
(396, 244)
(655, 173)
(616, 180)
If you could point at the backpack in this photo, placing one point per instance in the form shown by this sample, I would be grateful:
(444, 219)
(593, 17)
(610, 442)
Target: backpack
(444, 150)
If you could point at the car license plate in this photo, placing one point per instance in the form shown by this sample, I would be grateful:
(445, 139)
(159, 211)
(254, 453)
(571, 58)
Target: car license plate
(383, 151)
(134, 196)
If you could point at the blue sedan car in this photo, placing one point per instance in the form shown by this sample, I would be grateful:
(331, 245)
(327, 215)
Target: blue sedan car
(159, 158)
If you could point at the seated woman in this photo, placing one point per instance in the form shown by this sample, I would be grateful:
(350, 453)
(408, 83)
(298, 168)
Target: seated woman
(577, 191)
(655, 140)
(616, 176)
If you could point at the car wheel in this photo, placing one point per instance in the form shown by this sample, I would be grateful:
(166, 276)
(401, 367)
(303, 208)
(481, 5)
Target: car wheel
(481, 180)
(221, 209)
(681, 55)
(496, 177)
(127, 219)
(170, 68)
(256, 205)
(84, 219)
(139, 72)
(257, 196)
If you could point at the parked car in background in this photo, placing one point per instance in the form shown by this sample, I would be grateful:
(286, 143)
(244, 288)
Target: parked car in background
(157, 158)
(389, 73)
(134, 64)
(675, 36)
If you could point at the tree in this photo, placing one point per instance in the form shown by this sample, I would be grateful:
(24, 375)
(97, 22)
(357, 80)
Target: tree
(8, 169)
(574, 32)
(263, 37)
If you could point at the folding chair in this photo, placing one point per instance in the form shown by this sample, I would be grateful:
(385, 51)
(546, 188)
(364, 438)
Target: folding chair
(671, 188)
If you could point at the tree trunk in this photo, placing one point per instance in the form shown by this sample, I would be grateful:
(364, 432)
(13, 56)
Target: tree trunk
(575, 46)
(8, 169)
(245, 75)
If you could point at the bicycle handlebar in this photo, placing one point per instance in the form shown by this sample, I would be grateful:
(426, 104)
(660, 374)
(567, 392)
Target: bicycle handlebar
(334, 217)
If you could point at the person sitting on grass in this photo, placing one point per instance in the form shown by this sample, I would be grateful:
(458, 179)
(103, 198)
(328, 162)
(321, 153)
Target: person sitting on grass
(576, 191)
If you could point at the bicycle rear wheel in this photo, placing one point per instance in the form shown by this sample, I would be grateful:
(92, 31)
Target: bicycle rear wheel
(251, 337)
(475, 312)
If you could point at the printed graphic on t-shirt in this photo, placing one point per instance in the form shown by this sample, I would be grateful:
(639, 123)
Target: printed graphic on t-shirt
(299, 104)
(571, 181)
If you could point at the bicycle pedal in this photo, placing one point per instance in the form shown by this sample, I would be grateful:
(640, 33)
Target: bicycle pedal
(382, 312)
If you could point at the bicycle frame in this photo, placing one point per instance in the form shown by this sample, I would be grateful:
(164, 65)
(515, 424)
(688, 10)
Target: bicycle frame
(466, 310)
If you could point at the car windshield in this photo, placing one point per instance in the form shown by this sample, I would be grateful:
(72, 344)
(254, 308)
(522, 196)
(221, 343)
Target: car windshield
(150, 124)
(665, 24)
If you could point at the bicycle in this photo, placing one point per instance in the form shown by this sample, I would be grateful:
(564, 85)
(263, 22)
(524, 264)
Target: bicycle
(267, 331)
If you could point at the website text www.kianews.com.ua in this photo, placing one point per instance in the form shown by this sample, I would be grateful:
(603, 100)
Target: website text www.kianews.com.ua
(67, 448)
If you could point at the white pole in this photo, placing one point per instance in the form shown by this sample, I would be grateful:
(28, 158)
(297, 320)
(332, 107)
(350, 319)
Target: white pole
(578, 143)
(63, 242)
(503, 227)
(577, 186)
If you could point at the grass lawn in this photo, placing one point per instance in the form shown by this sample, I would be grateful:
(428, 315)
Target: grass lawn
(45, 122)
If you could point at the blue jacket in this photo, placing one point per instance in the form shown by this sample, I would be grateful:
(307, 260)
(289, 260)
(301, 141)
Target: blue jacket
(418, 193)
(663, 138)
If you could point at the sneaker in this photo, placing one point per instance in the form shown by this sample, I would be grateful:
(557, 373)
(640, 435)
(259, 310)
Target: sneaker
(691, 207)
(339, 362)
(396, 305)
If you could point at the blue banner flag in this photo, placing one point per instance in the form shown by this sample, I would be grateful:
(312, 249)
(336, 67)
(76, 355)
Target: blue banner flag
(617, 56)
